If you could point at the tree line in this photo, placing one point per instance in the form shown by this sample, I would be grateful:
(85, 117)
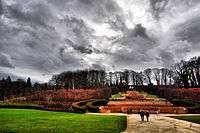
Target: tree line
(183, 74)
(18, 88)
(188, 72)
(95, 78)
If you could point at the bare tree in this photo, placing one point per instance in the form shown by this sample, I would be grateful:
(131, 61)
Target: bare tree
(171, 75)
(182, 71)
(164, 74)
(148, 75)
(157, 76)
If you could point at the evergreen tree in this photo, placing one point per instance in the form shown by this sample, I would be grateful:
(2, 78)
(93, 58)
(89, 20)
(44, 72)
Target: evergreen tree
(28, 83)
(9, 82)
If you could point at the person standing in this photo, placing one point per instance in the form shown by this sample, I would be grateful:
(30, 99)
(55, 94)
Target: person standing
(147, 115)
(142, 115)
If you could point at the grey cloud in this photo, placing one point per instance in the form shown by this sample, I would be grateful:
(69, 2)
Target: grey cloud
(1, 8)
(79, 29)
(140, 31)
(158, 6)
(137, 39)
(98, 67)
(190, 31)
(166, 58)
(37, 15)
(5, 61)
(99, 10)
(83, 49)
(117, 23)
(104, 11)
(82, 34)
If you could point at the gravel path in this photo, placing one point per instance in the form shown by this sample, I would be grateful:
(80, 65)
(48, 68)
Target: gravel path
(160, 124)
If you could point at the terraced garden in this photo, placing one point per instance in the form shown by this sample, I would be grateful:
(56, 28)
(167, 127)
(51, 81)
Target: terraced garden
(133, 102)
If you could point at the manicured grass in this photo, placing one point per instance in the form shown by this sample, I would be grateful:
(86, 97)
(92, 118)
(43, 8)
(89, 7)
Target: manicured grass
(195, 119)
(38, 121)
(147, 95)
(118, 95)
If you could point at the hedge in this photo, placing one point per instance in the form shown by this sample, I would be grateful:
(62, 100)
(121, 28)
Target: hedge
(55, 106)
(182, 102)
(21, 106)
(80, 107)
(93, 106)
(193, 107)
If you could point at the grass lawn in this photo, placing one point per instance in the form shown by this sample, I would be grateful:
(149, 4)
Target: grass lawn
(118, 95)
(38, 121)
(195, 119)
(147, 95)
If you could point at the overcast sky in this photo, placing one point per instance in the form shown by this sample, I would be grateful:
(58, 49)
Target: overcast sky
(39, 38)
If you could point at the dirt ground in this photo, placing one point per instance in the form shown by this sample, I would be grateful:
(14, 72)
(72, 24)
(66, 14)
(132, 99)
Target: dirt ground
(160, 124)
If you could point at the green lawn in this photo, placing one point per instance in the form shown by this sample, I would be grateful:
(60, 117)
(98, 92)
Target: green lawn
(147, 95)
(38, 121)
(195, 119)
(118, 95)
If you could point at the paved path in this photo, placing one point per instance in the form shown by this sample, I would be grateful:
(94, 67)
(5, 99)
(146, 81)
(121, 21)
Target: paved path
(160, 124)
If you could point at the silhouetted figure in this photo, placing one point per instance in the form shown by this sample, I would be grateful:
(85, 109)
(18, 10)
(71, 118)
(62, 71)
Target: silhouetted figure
(129, 111)
(147, 115)
(142, 115)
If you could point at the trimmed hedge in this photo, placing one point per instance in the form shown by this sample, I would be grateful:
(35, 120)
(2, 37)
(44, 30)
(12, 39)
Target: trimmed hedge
(55, 106)
(21, 106)
(80, 107)
(192, 107)
(195, 109)
(182, 102)
(93, 106)
(117, 99)
(62, 99)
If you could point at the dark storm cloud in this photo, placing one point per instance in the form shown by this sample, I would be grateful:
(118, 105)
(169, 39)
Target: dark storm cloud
(83, 49)
(140, 31)
(82, 35)
(100, 11)
(37, 44)
(134, 48)
(137, 39)
(33, 39)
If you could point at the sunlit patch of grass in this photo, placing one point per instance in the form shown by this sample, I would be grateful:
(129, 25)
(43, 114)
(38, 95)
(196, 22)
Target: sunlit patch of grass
(118, 95)
(38, 121)
(147, 95)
